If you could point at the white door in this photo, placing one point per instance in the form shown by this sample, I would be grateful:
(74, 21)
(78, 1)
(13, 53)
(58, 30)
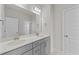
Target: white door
(11, 26)
(71, 31)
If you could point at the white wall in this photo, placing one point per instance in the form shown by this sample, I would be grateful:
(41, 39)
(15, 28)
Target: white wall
(45, 18)
(2, 15)
(47, 23)
(2, 9)
(57, 29)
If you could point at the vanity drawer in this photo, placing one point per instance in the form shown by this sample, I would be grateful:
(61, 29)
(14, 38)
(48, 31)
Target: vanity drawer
(36, 43)
(36, 50)
(20, 50)
(45, 46)
(27, 53)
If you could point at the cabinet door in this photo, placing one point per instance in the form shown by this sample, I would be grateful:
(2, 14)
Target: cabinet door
(48, 45)
(45, 47)
(36, 50)
(36, 43)
(28, 53)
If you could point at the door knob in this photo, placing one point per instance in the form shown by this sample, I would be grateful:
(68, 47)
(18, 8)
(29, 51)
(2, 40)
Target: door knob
(66, 36)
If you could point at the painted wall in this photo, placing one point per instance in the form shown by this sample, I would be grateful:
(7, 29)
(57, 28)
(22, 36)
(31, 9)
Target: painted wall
(57, 29)
(2, 8)
(47, 23)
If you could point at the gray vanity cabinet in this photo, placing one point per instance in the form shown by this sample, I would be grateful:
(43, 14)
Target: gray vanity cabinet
(36, 47)
(36, 43)
(36, 50)
(45, 46)
(39, 47)
(27, 53)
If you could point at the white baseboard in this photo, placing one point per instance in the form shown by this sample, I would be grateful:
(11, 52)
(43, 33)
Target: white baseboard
(57, 52)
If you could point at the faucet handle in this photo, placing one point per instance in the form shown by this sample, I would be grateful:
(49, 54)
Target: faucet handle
(37, 34)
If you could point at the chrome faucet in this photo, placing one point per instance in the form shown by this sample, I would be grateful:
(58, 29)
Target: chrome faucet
(16, 37)
(37, 34)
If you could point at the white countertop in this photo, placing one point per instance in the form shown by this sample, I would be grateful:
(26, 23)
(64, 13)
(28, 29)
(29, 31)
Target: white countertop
(8, 45)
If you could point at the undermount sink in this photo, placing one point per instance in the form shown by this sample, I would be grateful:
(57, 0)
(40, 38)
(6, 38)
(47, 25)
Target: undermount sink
(15, 42)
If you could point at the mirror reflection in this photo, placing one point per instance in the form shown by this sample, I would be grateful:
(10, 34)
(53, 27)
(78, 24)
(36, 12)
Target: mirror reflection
(18, 22)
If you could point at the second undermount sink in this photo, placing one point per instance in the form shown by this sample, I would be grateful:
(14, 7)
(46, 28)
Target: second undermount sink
(15, 42)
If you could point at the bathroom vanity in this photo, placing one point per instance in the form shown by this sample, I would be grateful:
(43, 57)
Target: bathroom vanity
(38, 45)
(21, 32)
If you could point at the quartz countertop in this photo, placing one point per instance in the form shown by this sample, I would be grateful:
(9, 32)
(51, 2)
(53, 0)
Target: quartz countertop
(11, 44)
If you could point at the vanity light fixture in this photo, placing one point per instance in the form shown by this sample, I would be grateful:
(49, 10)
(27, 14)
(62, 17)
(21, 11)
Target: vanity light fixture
(36, 10)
